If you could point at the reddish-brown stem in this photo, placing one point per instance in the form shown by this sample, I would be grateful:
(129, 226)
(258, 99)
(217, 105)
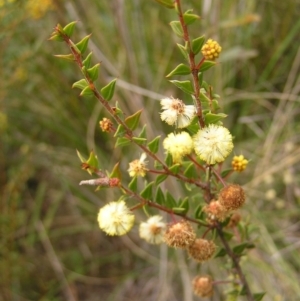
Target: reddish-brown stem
(129, 133)
(196, 163)
(206, 232)
(149, 203)
(218, 176)
(236, 263)
(208, 195)
(194, 68)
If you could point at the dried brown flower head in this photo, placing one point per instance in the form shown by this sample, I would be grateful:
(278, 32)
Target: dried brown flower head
(232, 197)
(180, 234)
(202, 250)
(203, 286)
(215, 211)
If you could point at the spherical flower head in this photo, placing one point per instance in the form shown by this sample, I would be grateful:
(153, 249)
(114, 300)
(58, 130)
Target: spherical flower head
(215, 211)
(153, 230)
(178, 145)
(239, 163)
(202, 250)
(232, 197)
(211, 50)
(176, 112)
(115, 218)
(203, 286)
(179, 235)
(105, 125)
(138, 167)
(213, 143)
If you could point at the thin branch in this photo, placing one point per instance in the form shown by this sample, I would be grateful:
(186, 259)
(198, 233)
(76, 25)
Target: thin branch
(53, 259)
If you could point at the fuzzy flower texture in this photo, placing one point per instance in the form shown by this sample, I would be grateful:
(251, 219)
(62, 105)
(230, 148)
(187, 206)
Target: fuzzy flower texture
(175, 112)
(178, 145)
(115, 218)
(138, 167)
(153, 230)
(213, 143)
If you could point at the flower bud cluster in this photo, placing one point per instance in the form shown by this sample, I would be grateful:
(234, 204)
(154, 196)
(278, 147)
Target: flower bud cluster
(239, 163)
(106, 125)
(211, 50)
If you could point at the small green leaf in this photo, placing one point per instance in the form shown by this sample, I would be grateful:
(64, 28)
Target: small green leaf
(175, 168)
(93, 72)
(185, 86)
(56, 34)
(92, 162)
(139, 141)
(221, 253)
(193, 128)
(81, 84)
(204, 99)
(87, 61)
(133, 121)
(133, 184)
(108, 91)
(166, 3)
(199, 212)
(170, 200)
(169, 159)
(185, 204)
(154, 145)
(205, 86)
(117, 110)
(191, 172)
(200, 78)
(190, 18)
(116, 172)
(159, 179)
(81, 158)
(188, 186)
(226, 172)
(121, 131)
(143, 133)
(68, 57)
(178, 210)
(158, 165)
(176, 27)
(197, 44)
(69, 28)
(228, 235)
(239, 249)
(82, 45)
(207, 65)
(215, 105)
(146, 210)
(211, 118)
(87, 91)
(258, 296)
(122, 141)
(147, 192)
(180, 70)
(159, 198)
(184, 51)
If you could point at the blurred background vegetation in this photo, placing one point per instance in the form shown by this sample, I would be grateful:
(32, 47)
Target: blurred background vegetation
(51, 247)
